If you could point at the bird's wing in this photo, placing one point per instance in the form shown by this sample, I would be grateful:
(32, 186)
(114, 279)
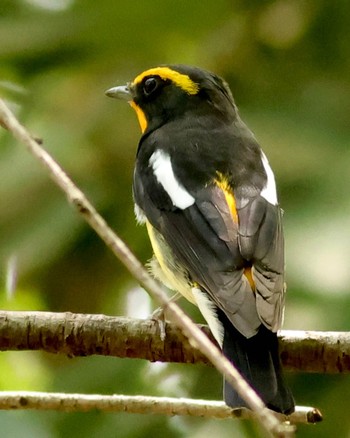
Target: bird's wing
(226, 244)
(261, 241)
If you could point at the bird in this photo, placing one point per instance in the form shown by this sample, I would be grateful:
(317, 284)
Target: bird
(206, 192)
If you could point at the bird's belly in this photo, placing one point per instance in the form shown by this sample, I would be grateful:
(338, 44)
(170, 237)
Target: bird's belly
(166, 268)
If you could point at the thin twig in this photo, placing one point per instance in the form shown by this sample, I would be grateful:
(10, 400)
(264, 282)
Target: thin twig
(140, 404)
(196, 337)
(83, 335)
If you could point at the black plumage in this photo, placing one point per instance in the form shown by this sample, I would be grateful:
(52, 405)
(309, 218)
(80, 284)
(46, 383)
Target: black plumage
(207, 194)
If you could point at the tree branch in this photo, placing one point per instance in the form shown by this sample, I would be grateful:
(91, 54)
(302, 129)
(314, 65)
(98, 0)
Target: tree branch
(84, 335)
(137, 404)
(197, 338)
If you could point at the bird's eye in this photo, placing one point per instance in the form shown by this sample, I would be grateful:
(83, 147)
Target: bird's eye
(150, 85)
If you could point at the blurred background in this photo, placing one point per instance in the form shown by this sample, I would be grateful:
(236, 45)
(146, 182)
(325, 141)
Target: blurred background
(287, 62)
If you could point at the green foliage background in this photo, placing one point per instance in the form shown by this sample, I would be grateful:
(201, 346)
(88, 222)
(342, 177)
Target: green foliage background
(287, 62)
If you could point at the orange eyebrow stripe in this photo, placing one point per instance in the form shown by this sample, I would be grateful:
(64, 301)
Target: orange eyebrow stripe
(179, 79)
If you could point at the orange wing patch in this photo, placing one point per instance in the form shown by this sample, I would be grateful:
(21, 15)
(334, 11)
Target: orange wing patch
(248, 274)
(224, 185)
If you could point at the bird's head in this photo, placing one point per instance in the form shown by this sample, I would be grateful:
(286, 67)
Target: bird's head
(169, 92)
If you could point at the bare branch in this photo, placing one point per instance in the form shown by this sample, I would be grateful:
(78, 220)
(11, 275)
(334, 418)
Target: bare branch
(138, 404)
(315, 352)
(84, 335)
(196, 337)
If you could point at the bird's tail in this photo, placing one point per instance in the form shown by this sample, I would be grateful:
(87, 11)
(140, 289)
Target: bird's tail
(257, 359)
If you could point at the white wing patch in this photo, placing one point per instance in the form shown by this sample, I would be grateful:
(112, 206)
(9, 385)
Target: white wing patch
(140, 215)
(269, 191)
(207, 309)
(163, 171)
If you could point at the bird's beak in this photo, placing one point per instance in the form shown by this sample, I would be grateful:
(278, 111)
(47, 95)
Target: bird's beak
(127, 92)
(121, 92)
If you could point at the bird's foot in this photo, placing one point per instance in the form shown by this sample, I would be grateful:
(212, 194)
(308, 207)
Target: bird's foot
(160, 318)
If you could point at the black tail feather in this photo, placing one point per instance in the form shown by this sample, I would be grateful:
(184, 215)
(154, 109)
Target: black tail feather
(257, 359)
